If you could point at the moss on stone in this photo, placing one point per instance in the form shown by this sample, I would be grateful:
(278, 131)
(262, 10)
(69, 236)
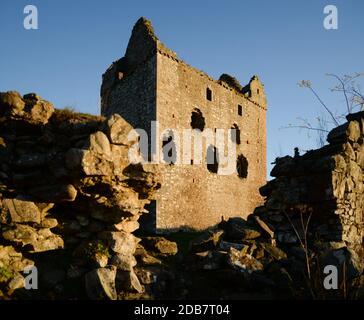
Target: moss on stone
(5, 274)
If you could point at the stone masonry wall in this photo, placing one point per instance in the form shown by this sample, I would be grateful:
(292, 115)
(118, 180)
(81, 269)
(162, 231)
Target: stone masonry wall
(326, 185)
(190, 195)
(312, 218)
(134, 97)
(151, 83)
(69, 200)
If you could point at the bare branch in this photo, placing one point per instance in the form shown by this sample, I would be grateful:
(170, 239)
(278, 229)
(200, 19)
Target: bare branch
(305, 127)
(324, 105)
(343, 86)
(350, 87)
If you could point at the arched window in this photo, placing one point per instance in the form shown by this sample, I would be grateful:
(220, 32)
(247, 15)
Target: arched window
(197, 120)
(242, 166)
(235, 139)
(212, 159)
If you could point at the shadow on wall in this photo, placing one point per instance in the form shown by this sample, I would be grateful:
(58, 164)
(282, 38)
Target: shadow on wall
(148, 221)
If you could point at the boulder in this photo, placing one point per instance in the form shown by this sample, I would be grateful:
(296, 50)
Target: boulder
(243, 262)
(54, 193)
(127, 225)
(93, 164)
(239, 230)
(120, 131)
(49, 223)
(40, 112)
(160, 245)
(206, 241)
(146, 276)
(94, 159)
(100, 284)
(145, 258)
(11, 103)
(360, 156)
(128, 280)
(44, 208)
(120, 241)
(13, 260)
(100, 260)
(39, 240)
(124, 262)
(22, 211)
(17, 282)
(100, 144)
(353, 131)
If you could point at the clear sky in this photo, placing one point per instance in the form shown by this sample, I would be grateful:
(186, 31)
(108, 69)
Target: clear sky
(282, 41)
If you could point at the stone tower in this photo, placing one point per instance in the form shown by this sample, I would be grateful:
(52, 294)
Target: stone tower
(150, 83)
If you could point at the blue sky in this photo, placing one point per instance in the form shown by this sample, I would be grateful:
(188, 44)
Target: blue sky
(281, 41)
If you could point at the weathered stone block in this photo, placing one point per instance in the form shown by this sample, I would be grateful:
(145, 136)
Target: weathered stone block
(22, 211)
(100, 284)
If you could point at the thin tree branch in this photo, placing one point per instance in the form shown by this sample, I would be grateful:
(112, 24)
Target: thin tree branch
(305, 127)
(324, 105)
(343, 89)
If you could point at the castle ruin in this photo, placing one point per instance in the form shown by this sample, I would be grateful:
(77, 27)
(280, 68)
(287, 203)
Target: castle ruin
(150, 83)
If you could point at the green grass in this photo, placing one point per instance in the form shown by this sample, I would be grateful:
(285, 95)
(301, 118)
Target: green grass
(97, 247)
(68, 114)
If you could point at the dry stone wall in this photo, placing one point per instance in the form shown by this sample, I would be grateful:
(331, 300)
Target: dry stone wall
(67, 190)
(325, 185)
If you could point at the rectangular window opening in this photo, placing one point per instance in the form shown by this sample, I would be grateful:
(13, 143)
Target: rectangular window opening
(240, 110)
(209, 94)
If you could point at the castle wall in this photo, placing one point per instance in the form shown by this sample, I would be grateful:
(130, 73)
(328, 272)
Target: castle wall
(190, 195)
(134, 96)
(150, 83)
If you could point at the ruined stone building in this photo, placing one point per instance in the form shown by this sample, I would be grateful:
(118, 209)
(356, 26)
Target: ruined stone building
(150, 83)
